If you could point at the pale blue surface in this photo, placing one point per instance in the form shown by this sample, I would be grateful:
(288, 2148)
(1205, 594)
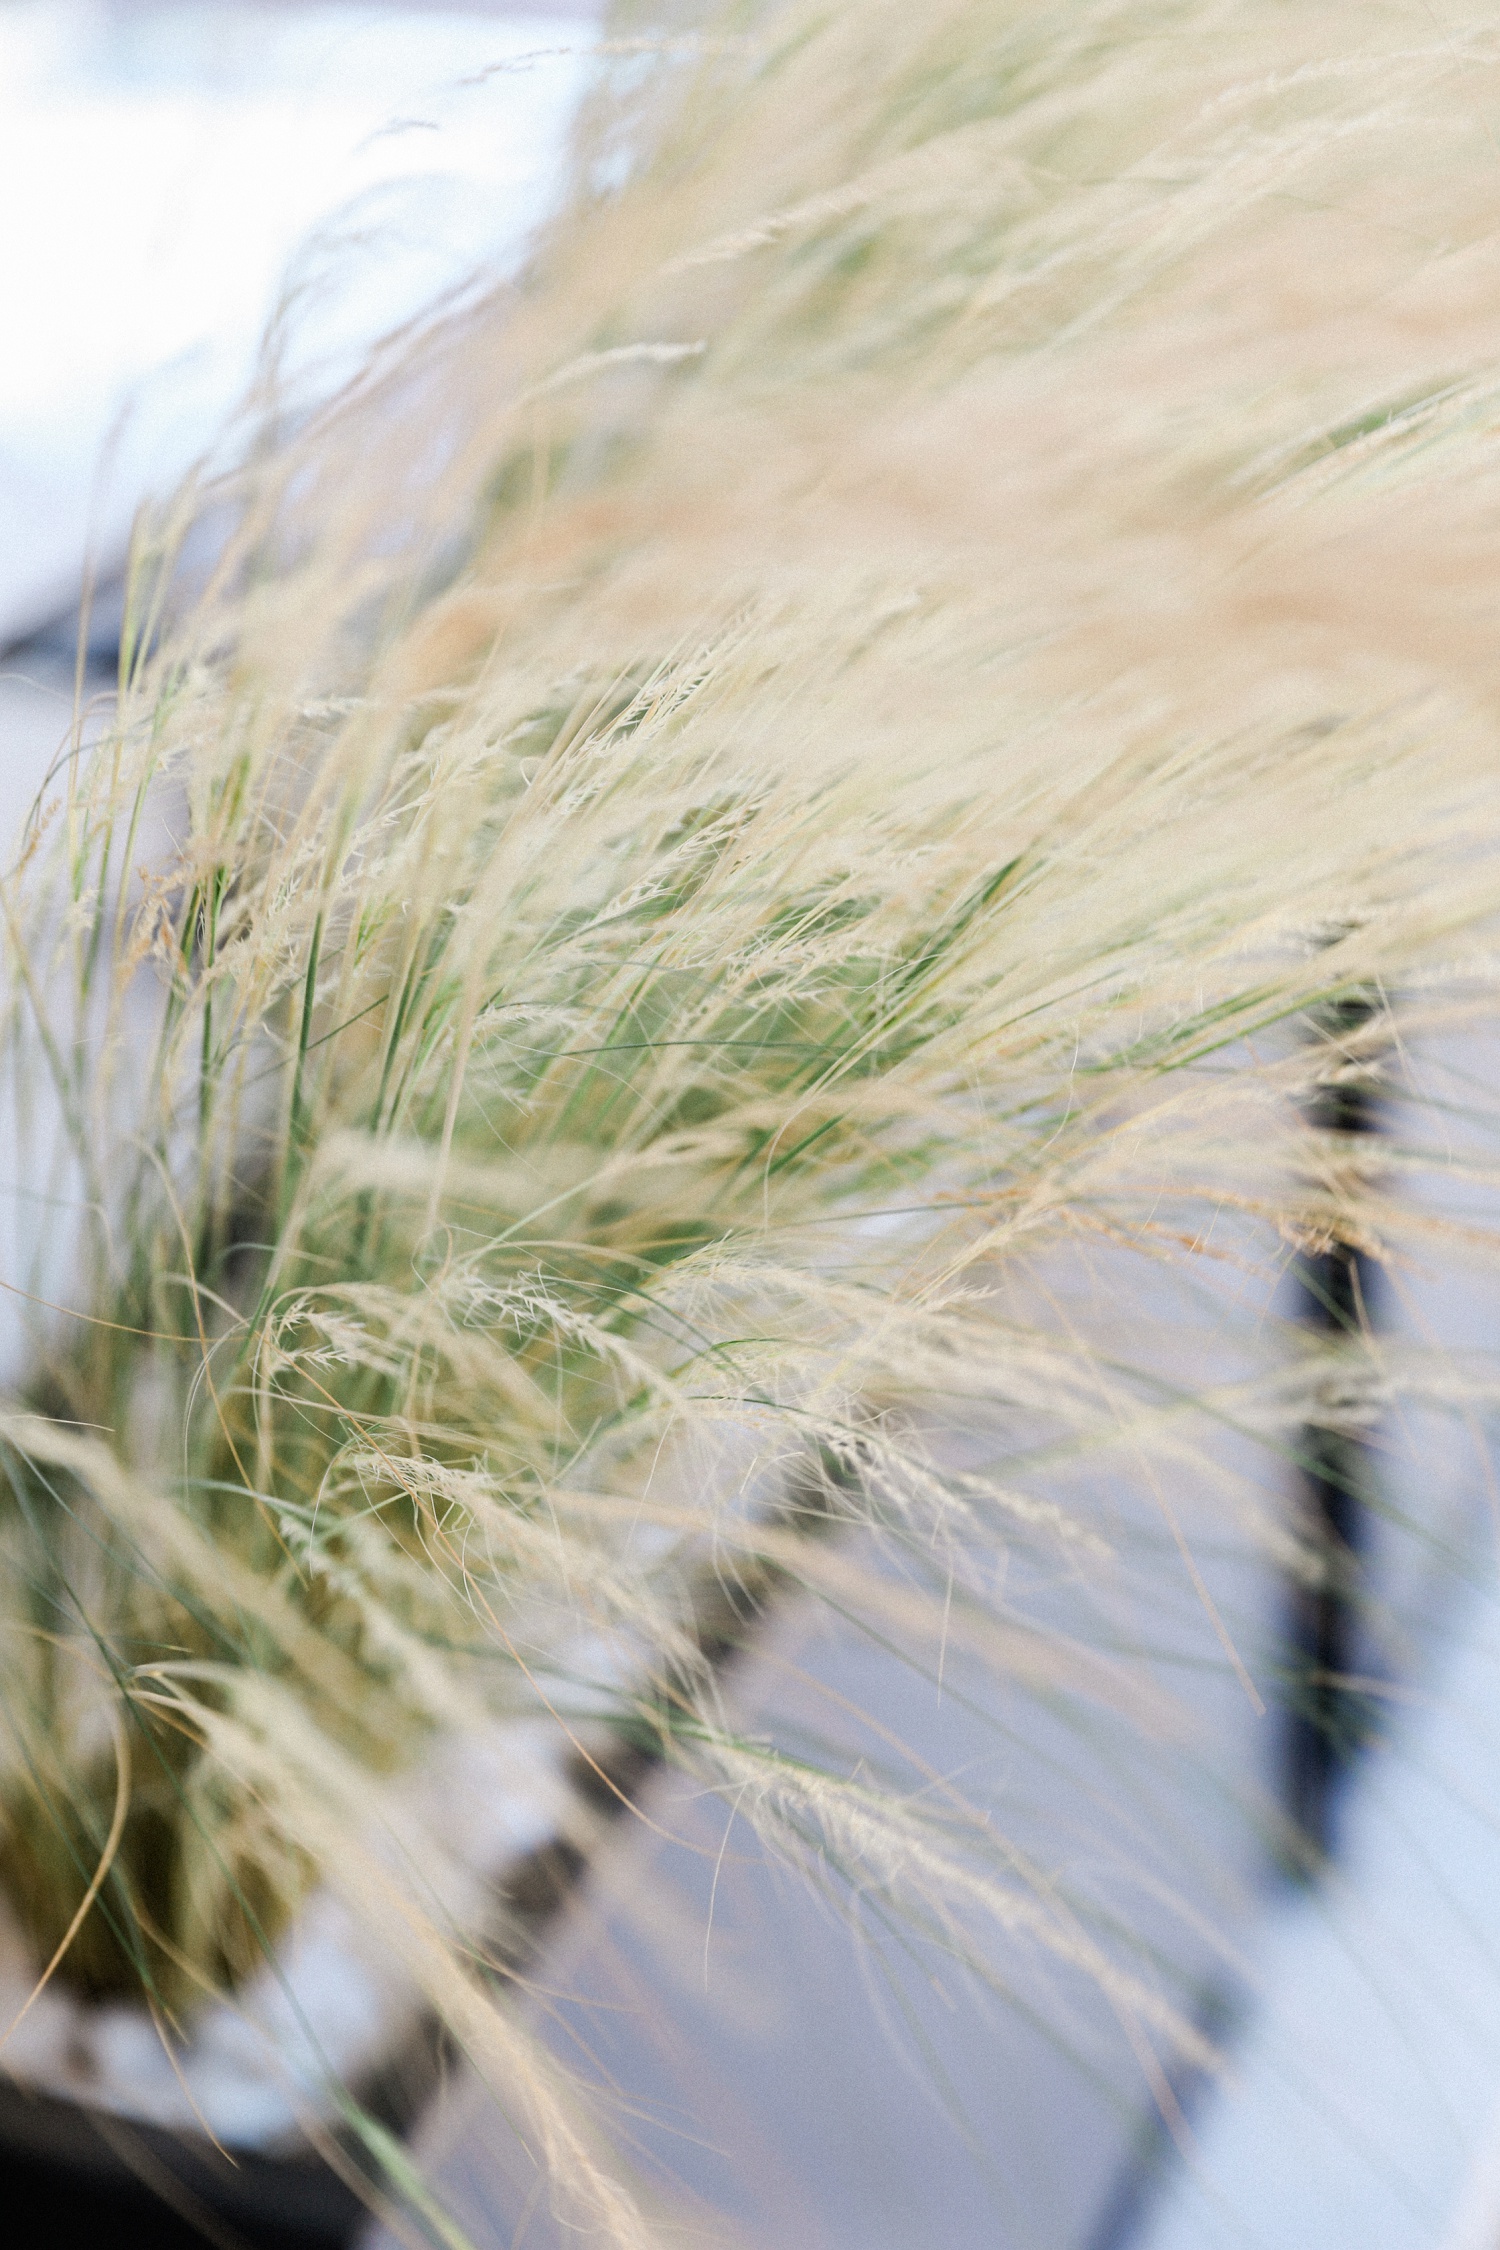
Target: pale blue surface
(173, 170)
(1363, 2101)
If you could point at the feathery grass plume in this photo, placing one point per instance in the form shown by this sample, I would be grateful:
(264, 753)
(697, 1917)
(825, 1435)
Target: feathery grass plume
(714, 815)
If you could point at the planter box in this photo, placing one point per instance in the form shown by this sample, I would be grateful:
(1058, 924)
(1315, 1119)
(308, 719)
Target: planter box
(96, 2119)
(239, 2145)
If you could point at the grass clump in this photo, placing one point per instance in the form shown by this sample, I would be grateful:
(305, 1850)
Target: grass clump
(715, 812)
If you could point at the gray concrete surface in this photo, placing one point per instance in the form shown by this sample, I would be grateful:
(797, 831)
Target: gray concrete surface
(790, 2069)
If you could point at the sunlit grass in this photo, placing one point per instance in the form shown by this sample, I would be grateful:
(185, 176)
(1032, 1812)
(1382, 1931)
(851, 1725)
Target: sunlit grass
(720, 813)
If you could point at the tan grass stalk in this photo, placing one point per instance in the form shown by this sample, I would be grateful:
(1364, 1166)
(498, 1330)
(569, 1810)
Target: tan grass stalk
(726, 813)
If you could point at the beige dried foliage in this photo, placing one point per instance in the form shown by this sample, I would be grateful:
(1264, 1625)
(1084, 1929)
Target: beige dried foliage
(725, 809)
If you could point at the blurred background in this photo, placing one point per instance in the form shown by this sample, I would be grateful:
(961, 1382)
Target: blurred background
(213, 206)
